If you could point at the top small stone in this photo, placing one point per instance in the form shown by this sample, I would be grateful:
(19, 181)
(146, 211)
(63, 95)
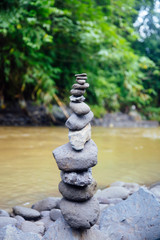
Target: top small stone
(81, 75)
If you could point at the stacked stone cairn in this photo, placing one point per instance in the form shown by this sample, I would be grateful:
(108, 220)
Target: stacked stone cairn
(75, 160)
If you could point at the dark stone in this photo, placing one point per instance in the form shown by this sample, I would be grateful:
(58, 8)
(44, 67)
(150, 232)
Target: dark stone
(3, 213)
(27, 213)
(79, 108)
(6, 221)
(81, 75)
(12, 233)
(70, 160)
(80, 86)
(81, 78)
(80, 215)
(77, 99)
(136, 218)
(75, 122)
(77, 178)
(46, 204)
(55, 214)
(60, 230)
(77, 92)
(75, 193)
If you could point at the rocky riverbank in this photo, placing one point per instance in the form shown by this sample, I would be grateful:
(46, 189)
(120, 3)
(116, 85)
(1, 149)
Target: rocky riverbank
(33, 115)
(128, 211)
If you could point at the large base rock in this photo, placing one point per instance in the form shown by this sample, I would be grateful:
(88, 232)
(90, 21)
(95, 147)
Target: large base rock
(136, 218)
(61, 230)
(80, 215)
(70, 160)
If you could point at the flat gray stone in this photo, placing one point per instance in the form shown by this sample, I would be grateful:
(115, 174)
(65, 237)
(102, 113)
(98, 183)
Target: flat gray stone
(46, 221)
(79, 108)
(28, 226)
(60, 230)
(20, 220)
(70, 160)
(80, 81)
(45, 213)
(77, 92)
(75, 122)
(6, 221)
(80, 86)
(81, 75)
(77, 178)
(78, 139)
(27, 213)
(3, 213)
(75, 193)
(81, 78)
(76, 99)
(55, 214)
(80, 215)
(46, 204)
(12, 233)
(136, 218)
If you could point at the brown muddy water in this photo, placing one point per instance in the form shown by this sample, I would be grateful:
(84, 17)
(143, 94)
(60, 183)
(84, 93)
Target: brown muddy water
(28, 171)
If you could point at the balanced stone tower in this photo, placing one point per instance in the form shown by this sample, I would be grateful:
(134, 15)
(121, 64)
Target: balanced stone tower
(75, 160)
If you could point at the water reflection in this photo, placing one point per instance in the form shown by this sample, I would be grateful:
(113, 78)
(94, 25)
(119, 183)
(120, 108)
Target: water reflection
(28, 171)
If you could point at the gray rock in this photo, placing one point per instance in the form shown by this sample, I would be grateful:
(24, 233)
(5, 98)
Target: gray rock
(81, 78)
(12, 233)
(132, 187)
(111, 192)
(27, 213)
(80, 86)
(55, 214)
(80, 81)
(77, 92)
(78, 194)
(77, 178)
(46, 221)
(3, 213)
(46, 204)
(79, 108)
(6, 221)
(20, 220)
(77, 139)
(70, 160)
(75, 122)
(136, 218)
(156, 190)
(77, 99)
(45, 213)
(28, 226)
(80, 215)
(61, 230)
(81, 75)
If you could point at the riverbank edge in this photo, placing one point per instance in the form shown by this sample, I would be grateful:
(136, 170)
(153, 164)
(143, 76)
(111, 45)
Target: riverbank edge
(37, 115)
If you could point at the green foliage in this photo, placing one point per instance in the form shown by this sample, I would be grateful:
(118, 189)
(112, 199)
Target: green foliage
(44, 43)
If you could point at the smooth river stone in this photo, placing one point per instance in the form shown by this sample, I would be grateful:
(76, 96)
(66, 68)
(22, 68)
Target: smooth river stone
(77, 194)
(80, 81)
(77, 178)
(77, 92)
(80, 215)
(79, 138)
(81, 78)
(76, 122)
(81, 75)
(77, 99)
(79, 108)
(79, 86)
(70, 160)
(26, 213)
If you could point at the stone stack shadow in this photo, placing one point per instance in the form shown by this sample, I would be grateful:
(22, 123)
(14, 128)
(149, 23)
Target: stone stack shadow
(75, 160)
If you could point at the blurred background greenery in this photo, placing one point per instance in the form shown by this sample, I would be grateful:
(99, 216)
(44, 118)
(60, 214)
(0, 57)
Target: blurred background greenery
(116, 42)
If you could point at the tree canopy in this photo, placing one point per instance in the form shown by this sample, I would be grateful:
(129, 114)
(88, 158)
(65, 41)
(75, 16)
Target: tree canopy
(45, 42)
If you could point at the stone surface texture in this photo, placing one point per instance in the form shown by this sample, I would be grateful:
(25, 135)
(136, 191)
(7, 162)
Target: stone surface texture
(28, 226)
(136, 218)
(46, 204)
(80, 86)
(80, 215)
(70, 160)
(77, 99)
(78, 194)
(27, 213)
(6, 221)
(77, 139)
(3, 213)
(77, 92)
(55, 214)
(77, 178)
(76, 122)
(79, 108)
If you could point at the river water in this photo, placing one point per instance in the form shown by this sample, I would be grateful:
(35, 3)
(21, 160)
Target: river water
(28, 171)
